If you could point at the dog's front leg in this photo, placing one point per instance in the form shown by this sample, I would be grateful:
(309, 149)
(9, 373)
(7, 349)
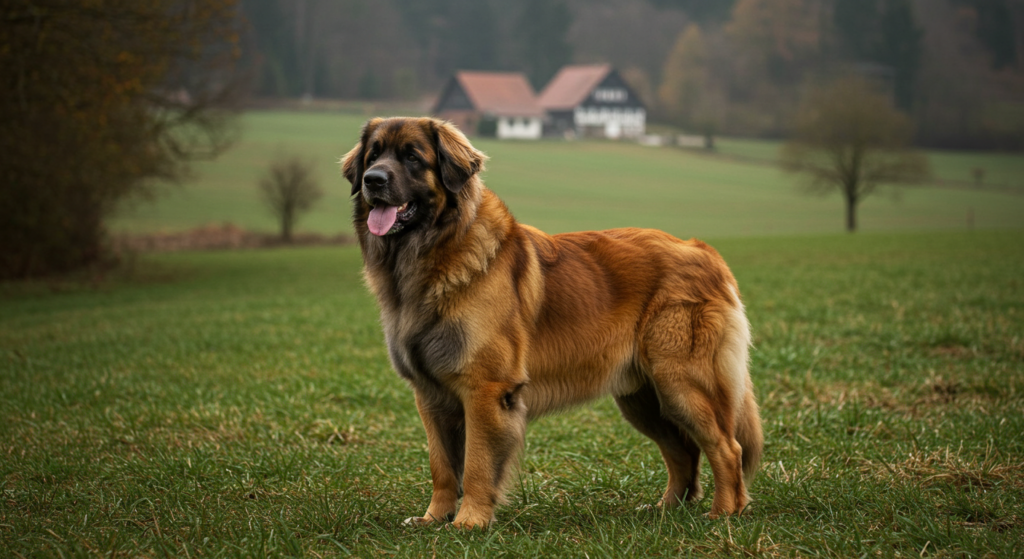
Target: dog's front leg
(444, 421)
(495, 426)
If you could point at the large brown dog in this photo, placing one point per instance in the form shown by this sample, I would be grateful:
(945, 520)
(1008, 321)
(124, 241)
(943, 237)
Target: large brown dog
(494, 323)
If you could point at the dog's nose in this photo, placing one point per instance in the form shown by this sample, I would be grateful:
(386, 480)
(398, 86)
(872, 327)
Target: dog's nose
(375, 178)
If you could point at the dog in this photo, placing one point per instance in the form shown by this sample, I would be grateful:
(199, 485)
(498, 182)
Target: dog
(494, 323)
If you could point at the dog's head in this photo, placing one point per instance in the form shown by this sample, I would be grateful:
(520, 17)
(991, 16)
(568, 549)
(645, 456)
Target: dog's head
(406, 172)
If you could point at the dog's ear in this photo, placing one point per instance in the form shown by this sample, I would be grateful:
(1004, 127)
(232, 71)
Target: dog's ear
(352, 162)
(352, 167)
(457, 159)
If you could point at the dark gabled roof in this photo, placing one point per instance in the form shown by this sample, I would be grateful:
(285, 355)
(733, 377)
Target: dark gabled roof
(571, 85)
(500, 93)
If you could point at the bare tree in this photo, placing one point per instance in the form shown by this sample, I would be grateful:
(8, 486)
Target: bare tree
(849, 137)
(288, 190)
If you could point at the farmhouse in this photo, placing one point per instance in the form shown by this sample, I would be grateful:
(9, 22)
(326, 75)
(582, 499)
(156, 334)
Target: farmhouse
(592, 101)
(497, 104)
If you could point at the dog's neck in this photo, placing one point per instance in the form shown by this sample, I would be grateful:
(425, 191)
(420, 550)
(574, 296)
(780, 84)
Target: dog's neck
(470, 252)
(441, 264)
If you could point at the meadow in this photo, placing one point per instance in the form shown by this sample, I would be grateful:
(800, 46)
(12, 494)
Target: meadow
(241, 404)
(563, 186)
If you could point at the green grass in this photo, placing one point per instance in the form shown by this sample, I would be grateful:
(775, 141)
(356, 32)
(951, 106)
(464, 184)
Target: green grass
(561, 186)
(239, 404)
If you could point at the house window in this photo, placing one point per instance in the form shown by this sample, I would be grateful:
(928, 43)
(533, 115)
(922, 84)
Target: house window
(610, 95)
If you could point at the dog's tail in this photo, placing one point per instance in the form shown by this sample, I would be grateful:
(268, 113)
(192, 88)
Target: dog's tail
(734, 363)
(750, 437)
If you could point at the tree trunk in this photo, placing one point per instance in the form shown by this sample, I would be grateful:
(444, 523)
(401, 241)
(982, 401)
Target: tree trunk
(851, 214)
(286, 227)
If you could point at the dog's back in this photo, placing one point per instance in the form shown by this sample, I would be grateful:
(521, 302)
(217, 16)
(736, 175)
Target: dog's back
(632, 312)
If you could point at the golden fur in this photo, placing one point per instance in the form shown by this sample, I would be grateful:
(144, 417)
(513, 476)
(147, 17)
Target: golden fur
(494, 323)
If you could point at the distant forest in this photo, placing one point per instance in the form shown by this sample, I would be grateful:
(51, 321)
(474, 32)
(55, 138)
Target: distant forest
(724, 66)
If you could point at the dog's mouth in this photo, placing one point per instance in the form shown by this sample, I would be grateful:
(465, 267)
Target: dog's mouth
(386, 219)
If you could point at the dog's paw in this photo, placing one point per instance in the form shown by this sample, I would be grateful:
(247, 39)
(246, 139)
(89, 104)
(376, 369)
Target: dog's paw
(418, 521)
(468, 522)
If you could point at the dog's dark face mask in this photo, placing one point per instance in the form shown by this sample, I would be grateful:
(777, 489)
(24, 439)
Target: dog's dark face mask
(406, 172)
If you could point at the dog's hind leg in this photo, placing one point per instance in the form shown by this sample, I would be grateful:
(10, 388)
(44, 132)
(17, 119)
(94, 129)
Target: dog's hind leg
(697, 359)
(681, 454)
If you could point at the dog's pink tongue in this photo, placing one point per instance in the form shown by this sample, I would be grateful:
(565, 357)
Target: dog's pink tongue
(381, 219)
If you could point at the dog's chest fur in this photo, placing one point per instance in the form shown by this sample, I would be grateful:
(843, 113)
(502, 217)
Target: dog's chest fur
(426, 343)
(422, 300)
(423, 348)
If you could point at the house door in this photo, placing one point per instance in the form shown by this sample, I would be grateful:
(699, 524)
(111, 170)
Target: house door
(613, 129)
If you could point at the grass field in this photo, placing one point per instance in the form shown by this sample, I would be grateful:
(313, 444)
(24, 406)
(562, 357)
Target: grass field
(240, 404)
(561, 186)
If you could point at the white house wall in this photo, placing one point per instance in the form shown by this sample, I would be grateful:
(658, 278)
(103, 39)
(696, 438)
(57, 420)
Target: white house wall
(519, 128)
(616, 122)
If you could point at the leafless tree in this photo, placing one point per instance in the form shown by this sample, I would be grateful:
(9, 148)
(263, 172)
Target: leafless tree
(849, 137)
(289, 189)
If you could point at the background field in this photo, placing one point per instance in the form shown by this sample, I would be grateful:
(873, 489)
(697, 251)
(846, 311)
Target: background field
(212, 404)
(241, 404)
(562, 186)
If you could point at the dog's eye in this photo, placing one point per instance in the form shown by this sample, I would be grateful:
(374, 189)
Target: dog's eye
(412, 158)
(372, 158)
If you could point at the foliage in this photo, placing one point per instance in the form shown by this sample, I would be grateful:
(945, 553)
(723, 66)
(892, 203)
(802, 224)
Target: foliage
(884, 32)
(100, 98)
(777, 37)
(455, 34)
(765, 50)
(992, 22)
(397, 49)
(951, 63)
(271, 49)
(288, 190)
(700, 10)
(849, 137)
(241, 404)
(684, 80)
(901, 48)
(542, 29)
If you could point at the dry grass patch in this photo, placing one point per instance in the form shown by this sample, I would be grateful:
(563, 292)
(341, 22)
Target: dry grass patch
(945, 467)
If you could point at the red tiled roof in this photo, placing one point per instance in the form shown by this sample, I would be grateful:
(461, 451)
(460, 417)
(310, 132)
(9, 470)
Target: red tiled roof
(571, 86)
(500, 93)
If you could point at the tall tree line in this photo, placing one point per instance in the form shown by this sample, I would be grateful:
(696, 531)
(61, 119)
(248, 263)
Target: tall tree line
(884, 32)
(954, 65)
(399, 48)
